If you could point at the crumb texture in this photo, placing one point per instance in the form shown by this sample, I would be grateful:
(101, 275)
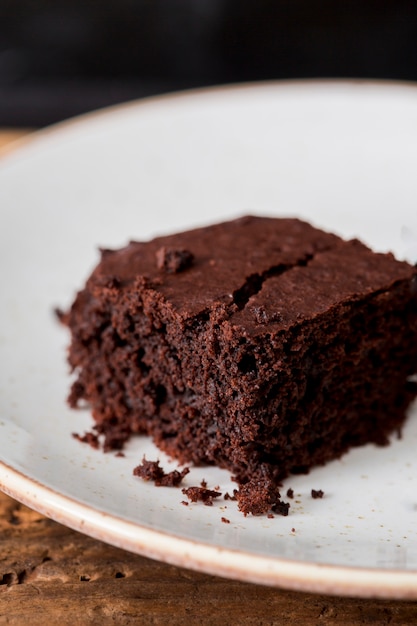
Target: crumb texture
(201, 494)
(151, 470)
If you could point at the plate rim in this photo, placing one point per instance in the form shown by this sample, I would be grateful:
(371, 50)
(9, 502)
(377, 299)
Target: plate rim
(62, 126)
(214, 560)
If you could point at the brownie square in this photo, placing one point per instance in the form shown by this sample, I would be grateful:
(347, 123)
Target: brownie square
(262, 345)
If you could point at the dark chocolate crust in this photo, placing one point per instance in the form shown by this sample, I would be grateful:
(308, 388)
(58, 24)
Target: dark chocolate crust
(262, 345)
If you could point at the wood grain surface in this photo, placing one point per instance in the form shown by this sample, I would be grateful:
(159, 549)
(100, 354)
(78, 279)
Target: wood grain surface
(9, 135)
(50, 574)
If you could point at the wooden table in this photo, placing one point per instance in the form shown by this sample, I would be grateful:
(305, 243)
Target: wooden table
(52, 575)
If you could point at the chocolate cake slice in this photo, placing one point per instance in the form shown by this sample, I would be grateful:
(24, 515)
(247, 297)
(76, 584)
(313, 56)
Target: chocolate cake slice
(264, 346)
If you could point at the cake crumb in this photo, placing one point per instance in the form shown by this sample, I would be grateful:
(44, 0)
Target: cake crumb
(151, 470)
(317, 493)
(120, 454)
(184, 502)
(227, 495)
(204, 483)
(260, 496)
(60, 315)
(89, 437)
(225, 520)
(270, 516)
(293, 530)
(290, 493)
(202, 494)
(281, 508)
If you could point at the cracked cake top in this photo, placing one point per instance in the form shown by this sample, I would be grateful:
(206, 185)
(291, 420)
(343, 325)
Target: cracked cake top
(259, 271)
(221, 264)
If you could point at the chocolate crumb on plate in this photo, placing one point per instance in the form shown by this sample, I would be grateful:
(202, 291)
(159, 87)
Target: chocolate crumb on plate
(281, 508)
(151, 470)
(90, 438)
(261, 496)
(196, 494)
(317, 493)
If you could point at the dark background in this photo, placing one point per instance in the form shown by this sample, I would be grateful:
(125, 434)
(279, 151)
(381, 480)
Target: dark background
(63, 57)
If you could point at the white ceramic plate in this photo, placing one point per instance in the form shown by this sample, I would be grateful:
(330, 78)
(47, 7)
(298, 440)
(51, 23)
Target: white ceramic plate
(342, 155)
